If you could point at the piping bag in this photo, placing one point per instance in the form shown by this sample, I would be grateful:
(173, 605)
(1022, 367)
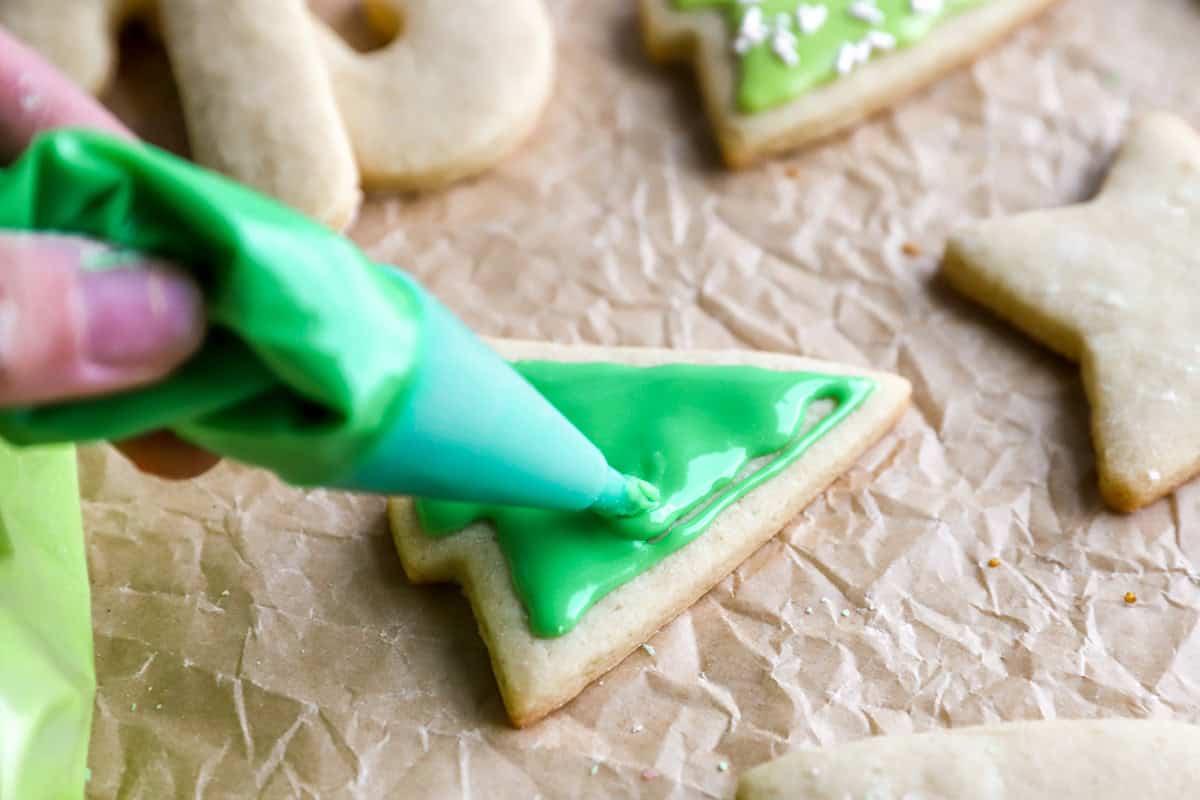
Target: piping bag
(320, 364)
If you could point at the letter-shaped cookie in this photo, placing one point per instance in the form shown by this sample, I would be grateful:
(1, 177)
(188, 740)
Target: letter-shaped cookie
(275, 99)
(258, 102)
(79, 36)
(459, 89)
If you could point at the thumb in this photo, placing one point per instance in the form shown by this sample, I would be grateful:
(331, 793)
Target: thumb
(68, 333)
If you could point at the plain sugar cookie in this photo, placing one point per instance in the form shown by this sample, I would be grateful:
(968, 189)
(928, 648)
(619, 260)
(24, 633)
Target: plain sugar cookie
(259, 104)
(1115, 285)
(278, 101)
(1091, 760)
(78, 36)
(538, 675)
(779, 74)
(460, 87)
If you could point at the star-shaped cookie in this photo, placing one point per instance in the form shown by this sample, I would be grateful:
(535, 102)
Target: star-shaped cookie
(1115, 285)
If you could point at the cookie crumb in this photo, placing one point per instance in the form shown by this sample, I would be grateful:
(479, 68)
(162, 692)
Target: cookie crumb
(1130, 598)
(649, 774)
(723, 766)
(993, 562)
(595, 768)
(911, 249)
(791, 171)
(650, 651)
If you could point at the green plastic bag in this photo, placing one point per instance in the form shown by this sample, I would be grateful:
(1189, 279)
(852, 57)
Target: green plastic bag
(47, 677)
(311, 347)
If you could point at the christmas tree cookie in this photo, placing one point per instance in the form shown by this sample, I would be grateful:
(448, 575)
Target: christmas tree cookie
(779, 74)
(737, 443)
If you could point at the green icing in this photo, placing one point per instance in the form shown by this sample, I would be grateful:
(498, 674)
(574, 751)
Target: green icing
(767, 80)
(688, 430)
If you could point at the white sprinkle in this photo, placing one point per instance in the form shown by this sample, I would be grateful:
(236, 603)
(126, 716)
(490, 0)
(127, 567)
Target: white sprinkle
(845, 612)
(881, 40)
(783, 44)
(811, 18)
(637, 728)
(852, 55)
(649, 650)
(225, 593)
(1153, 474)
(30, 102)
(753, 30)
(825, 600)
(867, 12)
(814, 772)
(926, 6)
(595, 768)
(808, 610)
(158, 707)
(723, 766)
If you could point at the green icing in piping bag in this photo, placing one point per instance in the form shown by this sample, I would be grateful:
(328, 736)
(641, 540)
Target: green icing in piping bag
(688, 430)
(320, 364)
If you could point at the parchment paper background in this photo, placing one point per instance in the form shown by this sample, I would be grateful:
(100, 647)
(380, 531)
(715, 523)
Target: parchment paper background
(254, 639)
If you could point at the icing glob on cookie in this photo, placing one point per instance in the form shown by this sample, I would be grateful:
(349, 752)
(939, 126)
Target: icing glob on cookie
(690, 431)
(787, 47)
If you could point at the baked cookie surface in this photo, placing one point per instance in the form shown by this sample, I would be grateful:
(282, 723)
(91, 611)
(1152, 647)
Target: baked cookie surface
(1113, 284)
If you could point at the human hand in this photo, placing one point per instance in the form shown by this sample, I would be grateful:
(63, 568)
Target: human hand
(66, 332)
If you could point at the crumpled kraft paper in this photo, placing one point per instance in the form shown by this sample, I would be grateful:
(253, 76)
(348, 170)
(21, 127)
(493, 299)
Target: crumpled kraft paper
(256, 639)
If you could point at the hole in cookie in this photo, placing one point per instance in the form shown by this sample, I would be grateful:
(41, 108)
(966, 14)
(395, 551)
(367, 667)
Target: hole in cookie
(366, 26)
(143, 93)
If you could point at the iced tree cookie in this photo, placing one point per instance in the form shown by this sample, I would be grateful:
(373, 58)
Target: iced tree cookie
(1087, 760)
(1115, 285)
(560, 599)
(780, 74)
(278, 101)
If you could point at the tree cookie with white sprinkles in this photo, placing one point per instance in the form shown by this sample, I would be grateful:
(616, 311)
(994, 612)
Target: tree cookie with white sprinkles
(780, 74)
(1115, 285)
